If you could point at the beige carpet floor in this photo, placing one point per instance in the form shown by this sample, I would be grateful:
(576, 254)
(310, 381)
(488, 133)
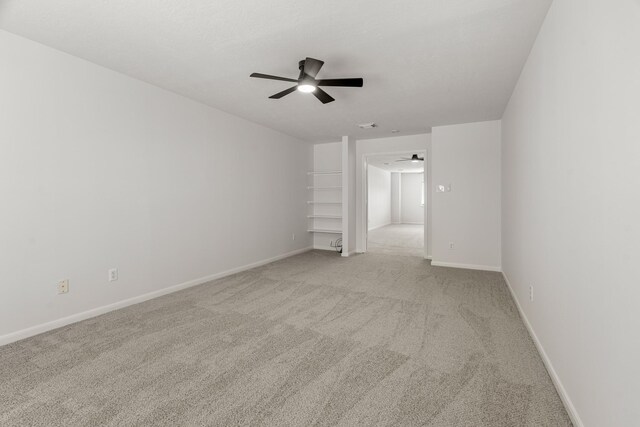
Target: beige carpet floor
(397, 239)
(311, 340)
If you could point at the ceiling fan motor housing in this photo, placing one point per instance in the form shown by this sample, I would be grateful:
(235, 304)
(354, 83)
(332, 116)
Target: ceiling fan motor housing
(304, 76)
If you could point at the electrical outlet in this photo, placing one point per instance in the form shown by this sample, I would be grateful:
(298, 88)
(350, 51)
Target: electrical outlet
(113, 274)
(451, 245)
(63, 286)
(530, 293)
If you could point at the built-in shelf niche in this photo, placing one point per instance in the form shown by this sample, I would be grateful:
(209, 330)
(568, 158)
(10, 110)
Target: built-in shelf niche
(325, 202)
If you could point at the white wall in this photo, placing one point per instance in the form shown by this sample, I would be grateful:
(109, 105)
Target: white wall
(98, 170)
(467, 157)
(571, 203)
(428, 199)
(396, 188)
(412, 210)
(348, 195)
(399, 144)
(379, 190)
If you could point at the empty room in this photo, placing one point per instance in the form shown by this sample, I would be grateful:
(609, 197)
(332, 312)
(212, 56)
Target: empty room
(395, 204)
(340, 213)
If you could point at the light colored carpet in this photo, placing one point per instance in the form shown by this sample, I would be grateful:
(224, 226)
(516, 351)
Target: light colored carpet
(315, 339)
(397, 239)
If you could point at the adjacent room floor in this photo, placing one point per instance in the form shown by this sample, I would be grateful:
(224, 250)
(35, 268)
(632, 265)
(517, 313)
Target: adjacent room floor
(397, 239)
(315, 339)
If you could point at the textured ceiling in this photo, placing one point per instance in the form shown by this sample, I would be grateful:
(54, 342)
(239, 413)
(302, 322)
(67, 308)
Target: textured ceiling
(424, 62)
(390, 163)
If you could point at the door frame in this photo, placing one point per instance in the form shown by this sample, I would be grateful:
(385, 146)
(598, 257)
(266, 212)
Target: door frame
(363, 229)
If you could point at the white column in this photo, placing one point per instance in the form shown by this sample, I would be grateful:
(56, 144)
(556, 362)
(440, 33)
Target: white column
(348, 195)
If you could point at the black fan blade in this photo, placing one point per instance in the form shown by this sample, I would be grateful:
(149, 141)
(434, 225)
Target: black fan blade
(323, 96)
(341, 82)
(312, 66)
(283, 93)
(421, 159)
(267, 76)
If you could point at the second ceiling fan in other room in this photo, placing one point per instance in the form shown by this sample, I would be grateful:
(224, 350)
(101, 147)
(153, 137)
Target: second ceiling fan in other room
(414, 159)
(307, 82)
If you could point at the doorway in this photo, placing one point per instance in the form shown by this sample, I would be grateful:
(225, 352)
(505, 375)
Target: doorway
(395, 204)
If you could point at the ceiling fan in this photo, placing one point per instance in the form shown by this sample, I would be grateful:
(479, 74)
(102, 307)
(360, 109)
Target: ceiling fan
(413, 159)
(307, 82)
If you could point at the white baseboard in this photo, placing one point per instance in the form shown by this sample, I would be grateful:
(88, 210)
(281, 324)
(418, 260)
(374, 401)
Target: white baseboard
(324, 248)
(412, 223)
(58, 323)
(375, 227)
(347, 254)
(428, 257)
(566, 400)
(467, 266)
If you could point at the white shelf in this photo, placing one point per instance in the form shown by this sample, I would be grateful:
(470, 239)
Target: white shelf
(325, 173)
(317, 230)
(314, 185)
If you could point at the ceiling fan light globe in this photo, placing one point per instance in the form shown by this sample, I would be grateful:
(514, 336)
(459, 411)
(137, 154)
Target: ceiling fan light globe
(306, 88)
